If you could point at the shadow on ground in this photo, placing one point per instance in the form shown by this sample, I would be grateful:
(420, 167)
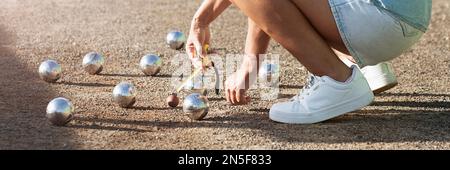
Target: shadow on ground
(414, 121)
(23, 101)
(135, 75)
(85, 84)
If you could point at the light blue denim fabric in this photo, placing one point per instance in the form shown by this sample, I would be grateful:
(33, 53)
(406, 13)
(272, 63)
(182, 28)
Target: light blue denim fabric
(416, 13)
(375, 31)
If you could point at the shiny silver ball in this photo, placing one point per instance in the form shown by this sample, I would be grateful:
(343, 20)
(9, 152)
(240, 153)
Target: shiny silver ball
(195, 86)
(196, 106)
(124, 94)
(50, 71)
(269, 74)
(176, 40)
(150, 64)
(93, 63)
(60, 111)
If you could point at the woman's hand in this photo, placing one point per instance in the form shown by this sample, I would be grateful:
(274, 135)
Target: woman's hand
(236, 87)
(238, 83)
(199, 37)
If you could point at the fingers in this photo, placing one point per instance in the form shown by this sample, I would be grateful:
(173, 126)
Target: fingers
(198, 48)
(190, 50)
(201, 48)
(240, 95)
(236, 97)
(195, 44)
(228, 90)
(227, 95)
(235, 94)
(196, 51)
(233, 97)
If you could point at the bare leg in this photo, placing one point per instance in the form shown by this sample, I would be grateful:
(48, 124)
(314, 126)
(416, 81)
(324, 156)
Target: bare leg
(343, 56)
(285, 23)
(257, 40)
(256, 43)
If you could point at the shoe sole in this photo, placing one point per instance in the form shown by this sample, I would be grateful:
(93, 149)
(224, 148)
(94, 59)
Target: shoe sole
(382, 82)
(385, 88)
(348, 106)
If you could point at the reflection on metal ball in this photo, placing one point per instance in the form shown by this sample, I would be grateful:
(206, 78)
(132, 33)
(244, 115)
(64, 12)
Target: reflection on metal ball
(176, 40)
(93, 63)
(269, 74)
(60, 111)
(124, 94)
(195, 85)
(150, 64)
(50, 71)
(196, 106)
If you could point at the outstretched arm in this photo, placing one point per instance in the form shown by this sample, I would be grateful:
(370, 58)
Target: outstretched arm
(256, 43)
(209, 11)
(199, 31)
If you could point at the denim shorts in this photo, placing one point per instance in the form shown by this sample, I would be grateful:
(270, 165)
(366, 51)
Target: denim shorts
(372, 35)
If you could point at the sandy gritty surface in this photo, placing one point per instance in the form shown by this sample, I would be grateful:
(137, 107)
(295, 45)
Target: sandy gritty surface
(414, 115)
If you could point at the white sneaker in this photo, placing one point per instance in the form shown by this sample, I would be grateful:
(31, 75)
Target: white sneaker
(324, 98)
(381, 77)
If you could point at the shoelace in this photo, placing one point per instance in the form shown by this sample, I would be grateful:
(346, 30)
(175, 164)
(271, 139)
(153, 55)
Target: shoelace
(307, 89)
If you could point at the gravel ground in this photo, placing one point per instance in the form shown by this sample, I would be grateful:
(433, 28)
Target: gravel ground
(414, 115)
